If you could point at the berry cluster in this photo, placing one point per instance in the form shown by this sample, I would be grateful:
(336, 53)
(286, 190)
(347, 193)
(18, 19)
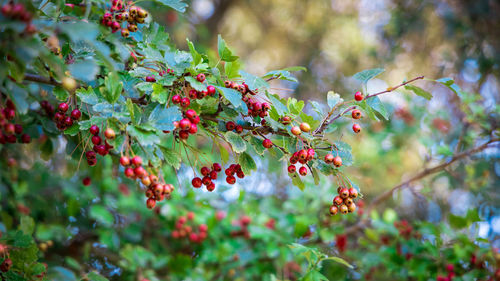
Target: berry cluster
(404, 228)
(243, 223)
(255, 108)
(186, 228)
(208, 176)
(19, 12)
(344, 201)
(187, 125)
(356, 114)
(119, 14)
(234, 169)
(231, 126)
(99, 148)
(193, 94)
(335, 160)
(8, 130)
(155, 190)
(302, 156)
(450, 269)
(62, 120)
(297, 130)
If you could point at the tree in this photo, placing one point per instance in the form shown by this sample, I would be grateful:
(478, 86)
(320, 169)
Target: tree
(98, 93)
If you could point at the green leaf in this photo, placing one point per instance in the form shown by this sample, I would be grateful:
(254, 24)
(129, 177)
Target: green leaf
(378, 106)
(333, 99)
(313, 275)
(163, 118)
(84, 70)
(450, 83)
(27, 225)
(232, 69)
(87, 95)
(144, 136)
(253, 82)
(114, 87)
(198, 86)
(197, 58)
(94, 276)
(419, 91)
(457, 222)
(101, 215)
(297, 181)
(172, 157)
(234, 97)
(177, 5)
(73, 130)
(159, 94)
(257, 145)
(295, 68)
(368, 110)
(225, 53)
(365, 75)
(60, 93)
(339, 260)
(237, 143)
(247, 163)
(344, 150)
(277, 103)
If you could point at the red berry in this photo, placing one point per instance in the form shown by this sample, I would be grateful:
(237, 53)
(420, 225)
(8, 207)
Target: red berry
(205, 171)
(211, 187)
(196, 182)
(210, 90)
(150, 203)
(9, 129)
(333, 210)
(239, 129)
(190, 114)
(63, 107)
(140, 172)
(76, 114)
(230, 179)
(129, 172)
(217, 167)
(94, 130)
(196, 120)
(305, 127)
(90, 154)
(206, 180)
(185, 102)
(86, 181)
(245, 220)
(25, 138)
(203, 228)
(329, 158)
(150, 79)
(124, 161)
(230, 125)
(213, 175)
(356, 114)
(267, 143)
(18, 129)
(296, 130)
(358, 96)
(96, 140)
(353, 192)
(184, 134)
(291, 169)
(356, 128)
(286, 120)
(109, 133)
(337, 161)
(193, 94)
(176, 99)
(136, 160)
(303, 171)
(344, 193)
(184, 124)
(193, 129)
(337, 200)
(449, 267)
(200, 77)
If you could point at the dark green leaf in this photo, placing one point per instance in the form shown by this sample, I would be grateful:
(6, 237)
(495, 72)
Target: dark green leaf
(145, 137)
(378, 106)
(232, 69)
(73, 130)
(225, 53)
(198, 86)
(101, 215)
(247, 163)
(163, 118)
(177, 5)
(197, 59)
(170, 156)
(60, 93)
(237, 143)
(87, 95)
(234, 97)
(114, 87)
(254, 82)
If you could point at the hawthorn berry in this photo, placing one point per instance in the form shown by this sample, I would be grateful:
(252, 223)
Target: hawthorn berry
(109, 134)
(193, 94)
(185, 102)
(267, 143)
(353, 192)
(140, 172)
(6, 265)
(239, 129)
(348, 201)
(329, 158)
(193, 129)
(94, 130)
(358, 96)
(344, 209)
(184, 134)
(150, 203)
(240, 174)
(230, 179)
(150, 79)
(333, 210)
(216, 167)
(344, 193)
(305, 127)
(205, 171)
(68, 121)
(337, 161)
(86, 181)
(211, 90)
(356, 128)
(356, 114)
(286, 120)
(146, 181)
(18, 129)
(25, 138)
(129, 172)
(230, 126)
(124, 161)
(291, 169)
(125, 33)
(200, 77)
(63, 107)
(303, 171)
(211, 187)
(337, 200)
(296, 130)
(184, 124)
(206, 180)
(176, 99)
(96, 140)
(351, 208)
(190, 114)
(136, 160)
(76, 114)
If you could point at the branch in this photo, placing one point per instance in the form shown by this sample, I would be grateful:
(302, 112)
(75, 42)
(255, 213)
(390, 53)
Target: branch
(40, 79)
(426, 172)
(395, 87)
(327, 121)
